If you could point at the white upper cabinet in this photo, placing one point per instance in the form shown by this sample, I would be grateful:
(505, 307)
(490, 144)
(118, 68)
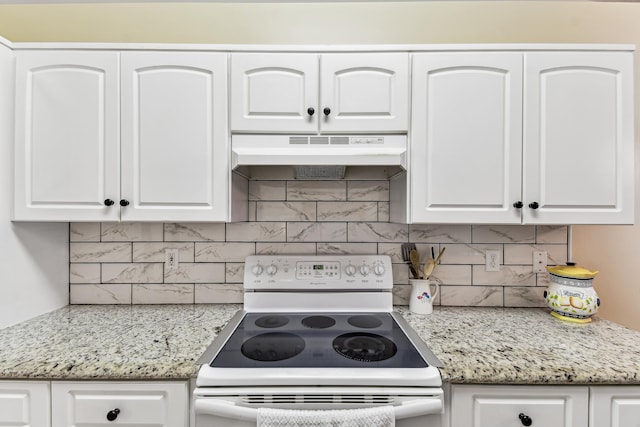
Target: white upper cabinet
(67, 159)
(466, 137)
(174, 136)
(170, 163)
(364, 92)
(274, 92)
(578, 138)
(311, 93)
(479, 156)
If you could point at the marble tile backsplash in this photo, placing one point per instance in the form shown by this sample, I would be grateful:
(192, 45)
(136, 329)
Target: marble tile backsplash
(124, 263)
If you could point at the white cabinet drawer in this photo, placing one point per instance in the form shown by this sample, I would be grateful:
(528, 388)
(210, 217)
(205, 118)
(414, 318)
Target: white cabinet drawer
(513, 406)
(24, 404)
(129, 404)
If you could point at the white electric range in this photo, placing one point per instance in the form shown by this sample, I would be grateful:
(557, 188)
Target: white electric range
(317, 332)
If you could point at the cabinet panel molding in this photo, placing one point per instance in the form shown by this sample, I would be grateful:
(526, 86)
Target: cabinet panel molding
(162, 404)
(67, 136)
(25, 403)
(490, 406)
(174, 136)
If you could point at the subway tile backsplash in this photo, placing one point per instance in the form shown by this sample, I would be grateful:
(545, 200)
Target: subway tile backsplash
(124, 263)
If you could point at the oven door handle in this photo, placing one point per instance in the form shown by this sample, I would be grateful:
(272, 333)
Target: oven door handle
(226, 409)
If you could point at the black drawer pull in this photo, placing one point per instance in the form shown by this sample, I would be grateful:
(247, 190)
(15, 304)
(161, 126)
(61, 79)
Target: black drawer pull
(113, 414)
(525, 420)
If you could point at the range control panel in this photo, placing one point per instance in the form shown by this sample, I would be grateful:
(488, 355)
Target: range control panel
(318, 272)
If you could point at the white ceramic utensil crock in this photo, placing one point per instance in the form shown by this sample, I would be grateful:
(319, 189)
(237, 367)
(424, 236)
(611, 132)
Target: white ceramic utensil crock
(570, 294)
(421, 297)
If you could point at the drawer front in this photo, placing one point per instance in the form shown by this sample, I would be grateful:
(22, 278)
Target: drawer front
(111, 404)
(514, 406)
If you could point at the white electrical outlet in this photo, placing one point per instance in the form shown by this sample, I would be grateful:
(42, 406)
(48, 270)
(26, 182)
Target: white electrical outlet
(539, 261)
(171, 259)
(492, 260)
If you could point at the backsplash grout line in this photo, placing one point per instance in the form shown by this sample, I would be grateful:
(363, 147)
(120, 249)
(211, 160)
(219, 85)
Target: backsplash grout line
(335, 225)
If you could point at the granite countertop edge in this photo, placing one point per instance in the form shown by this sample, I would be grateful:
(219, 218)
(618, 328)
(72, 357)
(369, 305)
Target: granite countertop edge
(476, 345)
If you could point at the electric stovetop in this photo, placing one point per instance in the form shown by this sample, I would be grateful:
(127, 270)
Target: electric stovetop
(317, 340)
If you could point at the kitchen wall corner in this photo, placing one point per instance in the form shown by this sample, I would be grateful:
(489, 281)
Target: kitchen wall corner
(34, 257)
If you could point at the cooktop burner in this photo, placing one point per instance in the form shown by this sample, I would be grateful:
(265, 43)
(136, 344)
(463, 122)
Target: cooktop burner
(272, 321)
(272, 346)
(364, 321)
(364, 347)
(318, 322)
(318, 340)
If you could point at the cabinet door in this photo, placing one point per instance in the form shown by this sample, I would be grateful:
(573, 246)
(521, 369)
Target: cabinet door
(24, 404)
(67, 136)
(174, 136)
(615, 406)
(506, 406)
(273, 92)
(364, 92)
(578, 144)
(119, 403)
(466, 137)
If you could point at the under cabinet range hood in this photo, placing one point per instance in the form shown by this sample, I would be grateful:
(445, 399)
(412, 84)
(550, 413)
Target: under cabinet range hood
(323, 150)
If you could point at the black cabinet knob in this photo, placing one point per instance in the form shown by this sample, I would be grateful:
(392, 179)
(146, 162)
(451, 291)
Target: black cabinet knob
(525, 420)
(518, 204)
(534, 205)
(113, 414)
(124, 203)
(311, 111)
(326, 111)
(108, 202)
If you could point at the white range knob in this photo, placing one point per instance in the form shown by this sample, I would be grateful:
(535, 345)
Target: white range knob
(256, 270)
(350, 270)
(364, 270)
(378, 270)
(272, 269)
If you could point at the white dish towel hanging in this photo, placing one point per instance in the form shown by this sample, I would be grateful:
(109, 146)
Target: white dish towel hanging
(379, 416)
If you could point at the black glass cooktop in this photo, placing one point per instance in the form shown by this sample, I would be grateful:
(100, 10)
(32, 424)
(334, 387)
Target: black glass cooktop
(335, 340)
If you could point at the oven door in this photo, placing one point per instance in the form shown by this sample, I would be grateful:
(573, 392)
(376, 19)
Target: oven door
(238, 407)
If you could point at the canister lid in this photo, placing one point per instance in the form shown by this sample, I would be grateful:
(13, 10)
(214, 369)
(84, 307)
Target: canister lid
(572, 271)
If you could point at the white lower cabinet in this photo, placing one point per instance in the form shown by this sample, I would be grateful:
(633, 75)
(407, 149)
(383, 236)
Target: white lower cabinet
(615, 406)
(166, 404)
(513, 406)
(148, 404)
(24, 404)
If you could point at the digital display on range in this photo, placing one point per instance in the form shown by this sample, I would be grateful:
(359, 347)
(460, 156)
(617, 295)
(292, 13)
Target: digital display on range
(318, 270)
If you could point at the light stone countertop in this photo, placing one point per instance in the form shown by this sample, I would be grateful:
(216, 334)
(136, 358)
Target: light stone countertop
(112, 342)
(162, 342)
(527, 346)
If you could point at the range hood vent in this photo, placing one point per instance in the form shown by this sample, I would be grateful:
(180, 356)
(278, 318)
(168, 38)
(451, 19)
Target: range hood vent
(304, 150)
(319, 172)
